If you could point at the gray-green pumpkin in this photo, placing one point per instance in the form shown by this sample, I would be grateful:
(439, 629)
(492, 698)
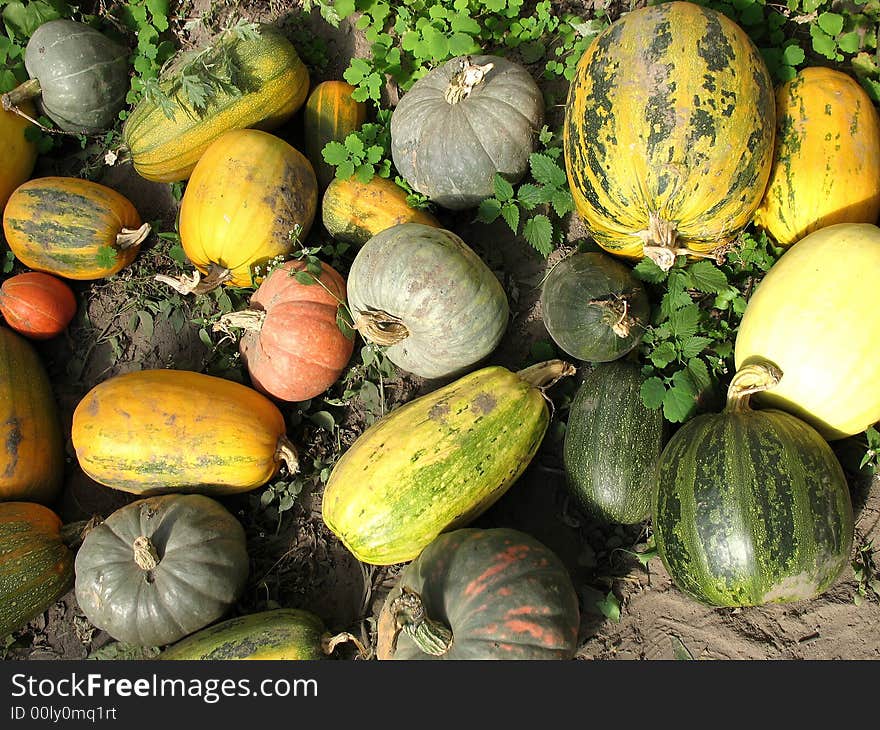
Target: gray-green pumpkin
(425, 294)
(161, 568)
(80, 76)
(461, 123)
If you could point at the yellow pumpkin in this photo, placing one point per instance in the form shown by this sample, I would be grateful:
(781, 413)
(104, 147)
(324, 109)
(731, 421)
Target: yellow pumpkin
(156, 431)
(19, 155)
(810, 317)
(250, 198)
(826, 168)
(330, 116)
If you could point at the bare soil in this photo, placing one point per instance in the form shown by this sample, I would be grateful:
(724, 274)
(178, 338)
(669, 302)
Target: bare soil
(297, 562)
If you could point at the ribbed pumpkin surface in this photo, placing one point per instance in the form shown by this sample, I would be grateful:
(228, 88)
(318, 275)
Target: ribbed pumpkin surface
(248, 195)
(37, 305)
(434, 464)
(19, 155)
(32, 456)
(69, 227)
(285, 633)
(751, 507)
(36, 568)
(807, 317)
(171, 430)
(612, 443)
(354, 212)
(503, 594)
(669, 131)
(166, 150)
(827, 164)
(330, 116)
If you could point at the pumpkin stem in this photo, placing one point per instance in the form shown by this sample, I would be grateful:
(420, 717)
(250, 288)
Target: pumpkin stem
(463, 82)
(73, 533)
(195, 284)
(247, 319)
(285, 452)
(130, 237)
(408, 611)
(616, 313)
(145, 556)
(380, 327)
(748, 380)
(30, 89)
(546, 374)
(329, 643)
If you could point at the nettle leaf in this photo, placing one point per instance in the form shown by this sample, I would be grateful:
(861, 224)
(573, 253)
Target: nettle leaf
(653, 392)
(546, 171)
(510, 213)
(503, 189)
(693, 346)
(679, 402)
(684, 322)
(531, 196)
(663, 354)
(706, 277)
(489, 210)
(647, 270)
(699, 373)
(538, 231)
(563, 202)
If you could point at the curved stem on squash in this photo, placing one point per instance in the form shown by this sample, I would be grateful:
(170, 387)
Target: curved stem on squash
(329, 643)
(27, 91)
(616, 313)
(380, 327)
(408, 611)
(130, 237)
(285, 452)
(546, 374)
(748, 380)
(145, 556)
(195, 284)
(465, 80)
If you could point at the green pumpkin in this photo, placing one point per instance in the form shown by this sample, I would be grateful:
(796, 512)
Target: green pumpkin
(80, 75)
(425, 294)
(161, 568)
(751, 507)
(462, 123)
(593, 307)
(612, 444)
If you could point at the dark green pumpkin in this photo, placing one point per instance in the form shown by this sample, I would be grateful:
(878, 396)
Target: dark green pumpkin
(36, 567)
(481, 594)
(612, 443)
(161, 568)
(751, 507)
(593, 307)
(80, 75)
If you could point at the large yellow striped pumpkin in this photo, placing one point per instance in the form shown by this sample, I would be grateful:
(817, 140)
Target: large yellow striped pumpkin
(669, 132)
(826, 169)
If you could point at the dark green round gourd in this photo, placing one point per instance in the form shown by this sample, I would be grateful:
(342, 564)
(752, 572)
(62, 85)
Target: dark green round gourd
(481, 594)
(751, 507)
(593, 307)
(80, 76)
(612, 443)
(161, 568)
(461, 123)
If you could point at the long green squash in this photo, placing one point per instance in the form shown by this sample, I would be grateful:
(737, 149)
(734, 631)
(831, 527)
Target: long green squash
(751, 507)
(438, 462)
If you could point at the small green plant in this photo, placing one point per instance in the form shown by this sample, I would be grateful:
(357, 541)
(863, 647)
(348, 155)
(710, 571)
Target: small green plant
(148, 20)
(364, 153)
(865, 570)
(870, 459)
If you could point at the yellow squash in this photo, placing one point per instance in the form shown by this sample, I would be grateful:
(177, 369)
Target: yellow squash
(354, 212)
(827, 164)
(330, 116)
(156, 431)
(19, 155)
(166, 149)
(811, 318)
(668, 133)
(250, 198)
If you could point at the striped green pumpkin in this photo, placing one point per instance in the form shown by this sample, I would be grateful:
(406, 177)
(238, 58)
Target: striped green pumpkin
(668, 133)
(612, 444)
(751, 507)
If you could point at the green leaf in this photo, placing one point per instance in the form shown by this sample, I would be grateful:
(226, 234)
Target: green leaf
(793, 55)
(546, 171)
(678, 403)
(693, 346)
(106, 257)
(831, 23)
(531, 196)
(354, 145)
(823, 43)
(489, 210)
(503, 189)
(610, 607)
(334, 153)
(464, 24)
(461, 44)
(323, 419)
(698, 372)
(663, 354)
(304, 277)
(145, 320)
(562, 202)
(704, 276)
(849, 42)
(680, 651)
(510, 213)
(538, 231)
(684, 322)
(653, 392)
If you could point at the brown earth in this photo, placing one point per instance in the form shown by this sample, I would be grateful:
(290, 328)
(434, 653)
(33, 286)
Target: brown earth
(296, 562)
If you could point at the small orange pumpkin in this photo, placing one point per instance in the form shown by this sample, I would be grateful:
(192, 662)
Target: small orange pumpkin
(292, 344)
(37, 305)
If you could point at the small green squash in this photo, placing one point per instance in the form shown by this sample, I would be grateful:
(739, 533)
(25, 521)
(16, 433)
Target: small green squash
(36, 567)
(281, 634)
(593, 307)
(438, 462)
(79, 75)
(751, 507)
(612, 444)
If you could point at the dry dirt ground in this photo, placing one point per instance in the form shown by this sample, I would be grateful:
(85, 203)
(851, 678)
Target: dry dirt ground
(296, 562)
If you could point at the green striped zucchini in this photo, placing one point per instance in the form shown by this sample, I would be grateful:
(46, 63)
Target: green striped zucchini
(751, 507)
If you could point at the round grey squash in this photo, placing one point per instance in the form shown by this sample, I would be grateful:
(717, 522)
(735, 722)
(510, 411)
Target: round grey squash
(161, 568)
(425, 294)
(461, 123)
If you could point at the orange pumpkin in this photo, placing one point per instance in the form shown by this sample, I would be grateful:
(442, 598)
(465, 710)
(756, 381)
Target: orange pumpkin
(330, 116)
(37, 305)
(292, 345)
